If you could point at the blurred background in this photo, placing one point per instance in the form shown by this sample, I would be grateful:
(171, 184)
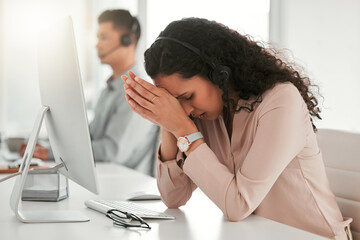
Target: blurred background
(323, 36)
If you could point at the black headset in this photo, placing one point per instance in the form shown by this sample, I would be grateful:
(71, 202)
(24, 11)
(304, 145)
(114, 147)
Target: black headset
(126, 39)
(216, 70)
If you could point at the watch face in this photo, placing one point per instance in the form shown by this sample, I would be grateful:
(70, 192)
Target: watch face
(183, 144)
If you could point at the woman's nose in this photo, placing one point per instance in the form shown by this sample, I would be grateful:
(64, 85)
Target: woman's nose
(187, 108)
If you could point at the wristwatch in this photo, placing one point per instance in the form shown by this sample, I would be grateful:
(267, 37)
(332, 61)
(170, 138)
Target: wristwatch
(184, 143)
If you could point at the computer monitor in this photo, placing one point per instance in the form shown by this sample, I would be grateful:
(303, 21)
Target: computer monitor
(63, 108)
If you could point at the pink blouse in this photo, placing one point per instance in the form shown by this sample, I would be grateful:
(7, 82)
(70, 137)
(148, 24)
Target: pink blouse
(272, 167)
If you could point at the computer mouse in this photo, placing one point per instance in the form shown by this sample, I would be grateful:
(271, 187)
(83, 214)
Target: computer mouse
(142, 195)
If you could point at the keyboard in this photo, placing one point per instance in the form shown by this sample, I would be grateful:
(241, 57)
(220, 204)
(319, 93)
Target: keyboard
(105, 205)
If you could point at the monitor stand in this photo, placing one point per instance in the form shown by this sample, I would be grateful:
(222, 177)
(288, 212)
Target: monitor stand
(40, 216)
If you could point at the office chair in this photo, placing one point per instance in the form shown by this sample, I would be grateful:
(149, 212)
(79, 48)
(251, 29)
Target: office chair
(341, 153)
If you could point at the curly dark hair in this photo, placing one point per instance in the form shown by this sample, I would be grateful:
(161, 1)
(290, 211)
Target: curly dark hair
(254, 68)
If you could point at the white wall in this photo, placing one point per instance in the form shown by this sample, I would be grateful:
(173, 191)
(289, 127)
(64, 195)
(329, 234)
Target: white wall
(246, 16)
(22, 20)
(324, 36)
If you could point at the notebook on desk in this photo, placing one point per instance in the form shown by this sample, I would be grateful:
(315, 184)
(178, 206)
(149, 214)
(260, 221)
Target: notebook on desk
(13, 166)
(5, 168)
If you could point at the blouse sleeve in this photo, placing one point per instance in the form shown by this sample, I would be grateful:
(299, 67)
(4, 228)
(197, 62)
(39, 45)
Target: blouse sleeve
(279, 137)
(174, 185)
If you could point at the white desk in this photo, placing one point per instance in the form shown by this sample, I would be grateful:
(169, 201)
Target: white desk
(199, 219)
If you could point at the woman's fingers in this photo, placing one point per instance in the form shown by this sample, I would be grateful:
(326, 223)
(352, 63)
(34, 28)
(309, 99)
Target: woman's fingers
(131, 74)
(139, 109)
(148, 86)
(137, 96)
(127, 97)
(153, 103)
(144, 93)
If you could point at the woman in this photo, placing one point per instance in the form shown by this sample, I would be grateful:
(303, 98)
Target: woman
(237, 123)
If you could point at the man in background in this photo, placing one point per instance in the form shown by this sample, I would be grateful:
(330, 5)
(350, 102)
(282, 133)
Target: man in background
(117, 134)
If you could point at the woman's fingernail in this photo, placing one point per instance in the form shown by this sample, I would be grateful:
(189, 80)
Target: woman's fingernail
(131, 103)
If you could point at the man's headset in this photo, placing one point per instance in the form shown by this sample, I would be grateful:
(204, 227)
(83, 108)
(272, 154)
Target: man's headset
(126, 39)
(216, 70)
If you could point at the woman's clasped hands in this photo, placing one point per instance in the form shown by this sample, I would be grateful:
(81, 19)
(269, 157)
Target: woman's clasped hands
(157, 105)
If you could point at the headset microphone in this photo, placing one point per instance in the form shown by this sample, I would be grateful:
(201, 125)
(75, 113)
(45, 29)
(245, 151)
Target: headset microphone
(109, 52)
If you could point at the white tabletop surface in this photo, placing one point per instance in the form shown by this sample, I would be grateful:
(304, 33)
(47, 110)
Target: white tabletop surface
(199, 219)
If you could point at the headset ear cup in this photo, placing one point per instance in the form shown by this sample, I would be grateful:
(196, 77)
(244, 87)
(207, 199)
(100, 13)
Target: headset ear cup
(220, 74)
(126, 40)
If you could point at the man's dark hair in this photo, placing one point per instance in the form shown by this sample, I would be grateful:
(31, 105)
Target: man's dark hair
(122, 19)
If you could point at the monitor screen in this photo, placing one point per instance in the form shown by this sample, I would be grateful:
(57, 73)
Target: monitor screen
(61, 90)
(63, 108)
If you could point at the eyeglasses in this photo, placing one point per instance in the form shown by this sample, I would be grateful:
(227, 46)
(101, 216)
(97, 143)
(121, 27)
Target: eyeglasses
(126, 219)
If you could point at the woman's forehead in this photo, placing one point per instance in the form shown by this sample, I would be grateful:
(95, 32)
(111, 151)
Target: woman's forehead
(168, 80)
(176, 84)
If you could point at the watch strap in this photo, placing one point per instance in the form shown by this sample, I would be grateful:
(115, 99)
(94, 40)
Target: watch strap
(194, 136)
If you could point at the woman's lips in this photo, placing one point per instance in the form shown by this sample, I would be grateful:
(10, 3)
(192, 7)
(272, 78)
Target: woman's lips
(203, 115)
